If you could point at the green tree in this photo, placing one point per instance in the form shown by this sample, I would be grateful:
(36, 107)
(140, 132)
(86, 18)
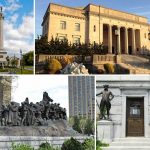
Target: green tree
(14, 62)
(76, 125)
(72, 144)
(89, 127)
(82, 124)
(8, 60)
(28, 59)
(88, 144)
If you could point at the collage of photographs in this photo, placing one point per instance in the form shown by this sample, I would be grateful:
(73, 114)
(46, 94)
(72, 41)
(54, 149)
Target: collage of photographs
(74, 75)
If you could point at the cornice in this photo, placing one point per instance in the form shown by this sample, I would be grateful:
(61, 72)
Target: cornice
(67, 15)
(119, 18)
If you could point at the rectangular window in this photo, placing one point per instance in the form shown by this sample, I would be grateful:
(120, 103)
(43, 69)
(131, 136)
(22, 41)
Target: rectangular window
(76, 40)
(94, 28)
(63, 25)
(77, 27)
(145, 35)
(61, 38)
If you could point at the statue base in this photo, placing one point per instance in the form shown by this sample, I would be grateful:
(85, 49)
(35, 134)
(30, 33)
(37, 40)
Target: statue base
(53, 128)
(105, 131)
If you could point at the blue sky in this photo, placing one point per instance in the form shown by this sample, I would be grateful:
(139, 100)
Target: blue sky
(140, 7)
(18, 25)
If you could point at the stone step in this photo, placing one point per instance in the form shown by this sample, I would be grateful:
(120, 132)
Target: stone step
(132, 139)
(126, 148)
(130, 144)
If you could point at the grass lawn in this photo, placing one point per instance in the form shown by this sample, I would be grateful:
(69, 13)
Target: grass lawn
(4, 70)
(17, 70)
(24, 71)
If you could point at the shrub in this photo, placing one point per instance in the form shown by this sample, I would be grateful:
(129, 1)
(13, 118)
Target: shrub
(72, 144)
(109, 68)
(99, 144)
(53, 66)
(88, 144)
(21, 147)
(47, 146)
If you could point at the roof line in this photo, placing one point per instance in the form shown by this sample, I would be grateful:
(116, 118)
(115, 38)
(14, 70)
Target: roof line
(116, 10)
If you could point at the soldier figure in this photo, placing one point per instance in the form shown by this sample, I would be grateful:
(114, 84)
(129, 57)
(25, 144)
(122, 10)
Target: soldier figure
(107, 96)
(25, 106)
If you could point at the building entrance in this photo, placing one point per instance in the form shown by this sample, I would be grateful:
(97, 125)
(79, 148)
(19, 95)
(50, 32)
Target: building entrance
(135, 116)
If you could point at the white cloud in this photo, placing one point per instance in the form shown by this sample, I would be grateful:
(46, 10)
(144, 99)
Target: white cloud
(21, 37)
(12, 5)
(14, 18)
(18, 30)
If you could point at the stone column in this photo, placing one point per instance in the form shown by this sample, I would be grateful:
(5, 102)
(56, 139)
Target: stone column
(126, 40)
(118, 41)
(1, 29)
(101, 34)
(110, 39)
(133, 42)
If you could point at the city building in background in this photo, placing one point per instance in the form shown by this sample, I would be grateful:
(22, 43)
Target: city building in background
(82, 96)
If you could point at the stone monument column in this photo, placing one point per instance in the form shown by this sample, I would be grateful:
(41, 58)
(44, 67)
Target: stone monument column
(3, 53)
(1, 30)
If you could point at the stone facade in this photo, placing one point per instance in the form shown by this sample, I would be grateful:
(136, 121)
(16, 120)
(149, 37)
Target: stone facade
(35, 141)
(124, 87)
(5, 90)
(128, 33)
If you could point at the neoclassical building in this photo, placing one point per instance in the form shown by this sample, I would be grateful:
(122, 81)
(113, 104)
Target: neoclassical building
(121, 32)
(130, 109)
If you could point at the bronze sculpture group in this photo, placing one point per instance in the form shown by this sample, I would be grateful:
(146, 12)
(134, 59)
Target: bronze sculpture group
(30, 114)
(105, 104)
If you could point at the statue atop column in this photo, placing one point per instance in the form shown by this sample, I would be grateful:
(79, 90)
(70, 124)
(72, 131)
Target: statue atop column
(105, 104)
(1, 9)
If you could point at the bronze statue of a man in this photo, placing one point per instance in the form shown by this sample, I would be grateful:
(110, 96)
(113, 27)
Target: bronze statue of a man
(105, 104)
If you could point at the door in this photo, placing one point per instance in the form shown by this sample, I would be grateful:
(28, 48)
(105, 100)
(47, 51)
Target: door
(135, 116)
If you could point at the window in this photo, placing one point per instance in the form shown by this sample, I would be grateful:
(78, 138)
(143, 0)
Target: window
(94, 28)
(63, 25)
(77, 27)
(76, 40)
(61, 38)
(145, 35)
(135, 110)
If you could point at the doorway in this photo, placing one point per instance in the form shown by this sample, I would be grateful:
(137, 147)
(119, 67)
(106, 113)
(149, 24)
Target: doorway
(135, 116)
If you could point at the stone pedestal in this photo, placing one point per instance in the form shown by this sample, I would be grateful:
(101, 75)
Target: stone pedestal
(105, 131)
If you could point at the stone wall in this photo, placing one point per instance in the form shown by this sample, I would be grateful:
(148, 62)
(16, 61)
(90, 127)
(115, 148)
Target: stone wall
(6, 141)
(76, 58)
(97, 59)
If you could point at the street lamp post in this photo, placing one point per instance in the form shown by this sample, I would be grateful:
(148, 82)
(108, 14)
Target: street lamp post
(21, 60)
